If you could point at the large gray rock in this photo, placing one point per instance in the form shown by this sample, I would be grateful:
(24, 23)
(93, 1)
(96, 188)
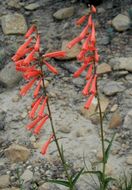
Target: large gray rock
(64, 13)
(13, 24)
(17, 153)
(121, 63)
(70, 53)
(14, 4)
(112, 88)
(4, 181)
(121, 23)
(9, 76)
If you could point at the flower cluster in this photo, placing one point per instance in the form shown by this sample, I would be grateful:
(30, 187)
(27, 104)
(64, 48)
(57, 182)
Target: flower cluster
(88, 55)
(29, 60)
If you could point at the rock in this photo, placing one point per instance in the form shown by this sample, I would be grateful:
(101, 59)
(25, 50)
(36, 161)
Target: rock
(121, 22)
(114, 108)
(32, 6)
(48, 186)
(103, 68)
(13, 24)
(70, 53)
(112, 87)
(16, 98)
(93, 112)
(4, 181)
(9, 76)
(82, 132)
(64, 13)
(27, 176)
(122, 63)
(128, 120)
(65, 129)
(14, 4)
(99, 155)
(17, 153)
(129, 78)
(115, 121)
(2, 119)
(129, 160)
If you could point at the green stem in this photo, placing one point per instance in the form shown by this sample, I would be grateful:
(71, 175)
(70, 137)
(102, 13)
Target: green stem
(55, 137)
(102, 141)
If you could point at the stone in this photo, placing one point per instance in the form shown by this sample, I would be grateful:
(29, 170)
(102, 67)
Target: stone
(9, 76)
(103, 68)
(14, 4)
(65, 129)
(17, 153)
(27, 175)
(128, 120)
(121, 23)
(47, 186)
(121, 63)
(2, 119)
(93, 112)
(4, 181)
(112, 87)
(99, 155)
(129, 160)
(116, 120)
(70, 53)
(114, 108)
(32, 6)
(64, 13)
(13, 24)
(129, 78)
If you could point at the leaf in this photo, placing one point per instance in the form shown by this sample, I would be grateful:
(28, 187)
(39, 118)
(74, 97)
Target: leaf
(108, 149)
(76, 176)
(60, 182)
(107, 180)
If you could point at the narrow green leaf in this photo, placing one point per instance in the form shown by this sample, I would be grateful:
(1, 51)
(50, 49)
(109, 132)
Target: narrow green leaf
(76, 176)
(107, 180)
(60, 182)
(108, 149)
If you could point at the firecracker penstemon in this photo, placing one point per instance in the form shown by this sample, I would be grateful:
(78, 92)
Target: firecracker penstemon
(30, 61)
(88, 55)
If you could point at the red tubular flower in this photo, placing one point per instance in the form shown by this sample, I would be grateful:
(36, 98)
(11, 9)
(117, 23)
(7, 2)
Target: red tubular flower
(50, 67)
(73, 42)
(87, 86)
(38, 128)
(37, 45)
(93, 39)
(93, 9)
(93, 86)
(85, 45)
(89, 101)
(21, 69)
(27, 87)
(84, 32)
(37, 89)
(29, 58)
(33, 73)
(55, 54)
(30, 31)
(19, 63)
(21, 50)
(45, 146)
(96, 55)
(80, 70)
(90, 20)
(81, 55)
(81, 20)
(89, 73)
(88, 59)
(33, 123)
(35, 107)
(41, 111)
